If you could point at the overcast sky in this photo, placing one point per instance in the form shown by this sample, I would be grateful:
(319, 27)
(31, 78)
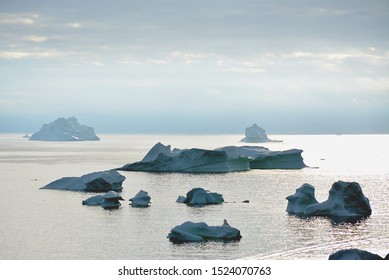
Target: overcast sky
(214, 66)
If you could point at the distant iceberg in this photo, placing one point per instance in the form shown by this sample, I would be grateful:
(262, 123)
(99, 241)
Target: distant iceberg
(346, 202)
(162, 158)
(26, 136)
(200, 197)
(200, 232)
(256, 134)
(65, 130)
(102, 181)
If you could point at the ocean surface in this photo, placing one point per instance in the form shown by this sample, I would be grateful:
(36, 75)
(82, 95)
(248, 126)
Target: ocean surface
(53, 224)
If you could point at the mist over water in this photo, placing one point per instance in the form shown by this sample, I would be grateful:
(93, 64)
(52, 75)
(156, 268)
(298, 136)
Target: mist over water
(52, 224)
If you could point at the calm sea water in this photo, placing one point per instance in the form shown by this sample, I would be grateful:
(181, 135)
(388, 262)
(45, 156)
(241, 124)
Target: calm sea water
(53, 224)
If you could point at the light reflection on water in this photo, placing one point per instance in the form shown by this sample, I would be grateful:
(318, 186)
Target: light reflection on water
(50, 224)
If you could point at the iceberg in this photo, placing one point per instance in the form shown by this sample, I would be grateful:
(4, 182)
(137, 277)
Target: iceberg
(142, 199)
(256, 134)
(26, 136)
(345, 200)
(201, 232)
(200, 197)
(65, 130)
(355, 254)
(162, 159)
(101, 181)
(263, 158)
(110, 200)
(94, 200)
(304, 196)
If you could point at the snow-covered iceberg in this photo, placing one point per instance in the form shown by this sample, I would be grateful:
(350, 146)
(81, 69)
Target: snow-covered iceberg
(199, 232)
(101, 181)
(200, 197)
(162, 159)
(304, 196)
(263, 158)
(65, 130)
(142, 199)
(345, 200)
(110, 200)
(256, 134)
(355, 254)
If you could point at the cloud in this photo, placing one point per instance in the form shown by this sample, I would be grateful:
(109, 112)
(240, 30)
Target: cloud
(17, 19)
(13, 54)
(36, 39)
(157, 61)
(75, 25)
(98, 63)
(30, 54)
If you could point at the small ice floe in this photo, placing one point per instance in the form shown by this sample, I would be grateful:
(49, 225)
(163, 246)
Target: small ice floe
(142, 199)
(200, 197)
(110, 200)
(200, 232)
(356, 254)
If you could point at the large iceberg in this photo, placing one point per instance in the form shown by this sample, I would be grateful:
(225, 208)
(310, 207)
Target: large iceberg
(141, 199)
(65, 130)
(256, 134)
(110, 200)
(200, 197)
(345, 202)
(304, 196)
(162, 158)
(199, 232)
(263, 158)
(345, 199)
(101, 181)
(356, 254)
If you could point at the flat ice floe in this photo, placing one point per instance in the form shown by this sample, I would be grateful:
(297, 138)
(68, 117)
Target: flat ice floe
(101, 181)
